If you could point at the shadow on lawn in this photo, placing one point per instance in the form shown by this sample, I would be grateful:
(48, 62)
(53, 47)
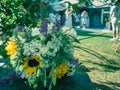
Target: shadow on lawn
(105, 86)
(79, 81)
(101, 87)
(108, 65)
(116, 85)
(96, 54)
(91, 34)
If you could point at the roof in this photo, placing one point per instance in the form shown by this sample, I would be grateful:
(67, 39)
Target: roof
(101, 3)
(62, 5)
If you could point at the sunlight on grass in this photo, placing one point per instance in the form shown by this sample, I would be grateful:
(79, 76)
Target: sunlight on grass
(96, 54)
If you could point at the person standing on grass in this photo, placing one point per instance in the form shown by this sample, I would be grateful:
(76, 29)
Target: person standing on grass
(84, 19)
(114, 18)
(68, 13)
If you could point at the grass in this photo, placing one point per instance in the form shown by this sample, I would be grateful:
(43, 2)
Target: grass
(96, 53)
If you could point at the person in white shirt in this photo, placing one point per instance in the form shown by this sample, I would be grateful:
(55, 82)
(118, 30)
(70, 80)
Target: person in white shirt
(114, 18)
(84, 19)
(77, 20)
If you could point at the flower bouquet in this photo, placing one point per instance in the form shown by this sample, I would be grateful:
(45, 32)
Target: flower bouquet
(42, 55)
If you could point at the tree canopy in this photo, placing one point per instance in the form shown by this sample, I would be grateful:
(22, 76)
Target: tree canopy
(21, 13)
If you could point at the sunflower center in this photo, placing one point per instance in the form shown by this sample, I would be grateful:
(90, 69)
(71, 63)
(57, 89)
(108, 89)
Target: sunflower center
(33, 63)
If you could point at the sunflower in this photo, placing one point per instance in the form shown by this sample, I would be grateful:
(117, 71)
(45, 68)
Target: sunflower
(11, 47)
(61, 70)
(31, 64)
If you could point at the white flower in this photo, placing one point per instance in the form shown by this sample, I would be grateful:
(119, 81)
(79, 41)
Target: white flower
(43, 50)
(35, 31)
(70, 32)
(33, 47)
(69, 49)
(57, 41)
(36, 45)
(52, 48)
(71, 70)
(26, 49)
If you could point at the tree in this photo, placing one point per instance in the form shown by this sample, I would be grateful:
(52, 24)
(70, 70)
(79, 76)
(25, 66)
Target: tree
(15, 13)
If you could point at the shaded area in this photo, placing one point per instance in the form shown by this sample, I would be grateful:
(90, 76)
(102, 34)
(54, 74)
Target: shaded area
(91, 34)
(79, 81)
(106, 67)
(101, 87)
(76, 82)
(115, 84)
(17, 84)
(94, 53)
(2, 52)
(106, 63)
(107, 86)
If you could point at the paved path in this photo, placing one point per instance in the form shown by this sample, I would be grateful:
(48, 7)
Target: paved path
(96, 30)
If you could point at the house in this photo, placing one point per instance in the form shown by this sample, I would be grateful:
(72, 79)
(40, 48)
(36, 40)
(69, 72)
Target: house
(98, 11)
(98, 14)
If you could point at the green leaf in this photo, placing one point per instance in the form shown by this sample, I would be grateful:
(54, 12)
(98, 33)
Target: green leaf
(45, 82)
(76, 40)
(24, 75)
(35, 86)
(38, 72)
(21, 67)
(54, 80)
(50, 87)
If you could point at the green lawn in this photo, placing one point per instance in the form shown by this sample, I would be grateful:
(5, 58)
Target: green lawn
(96, 53)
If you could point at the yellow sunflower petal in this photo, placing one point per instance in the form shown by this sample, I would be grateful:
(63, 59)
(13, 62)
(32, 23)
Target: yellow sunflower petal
(11, 48)
(30, 70)
(11, 52)
(11, 42)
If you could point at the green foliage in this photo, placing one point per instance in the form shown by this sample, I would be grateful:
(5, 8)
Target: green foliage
(3, 52)
(21, 12)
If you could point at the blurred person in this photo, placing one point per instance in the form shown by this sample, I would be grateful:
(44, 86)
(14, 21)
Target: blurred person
(84, 19)
(52, 17)
(114, 18)
(68, 13)
(77, 20)
(58, 17)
